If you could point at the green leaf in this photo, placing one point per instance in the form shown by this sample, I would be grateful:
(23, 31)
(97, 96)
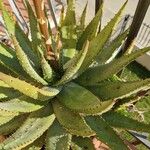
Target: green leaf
(21, 104)
(96, 74)
(37, 43)
(5, 119)
(75, 97)
(118, 120)
(72, 122)
(14, 29)
(81, 26)
(91, 30)
(28, 89)
(9, 60)
(118, 90)
(79, 143)
(6, 92)
(105, 133)
(26, 64)
(70, 14)
(68, 33)
(57, 138)
(35, 125)
(109, 49)
(97, 43)
(12, 125)
(74, 66)
(37, 144)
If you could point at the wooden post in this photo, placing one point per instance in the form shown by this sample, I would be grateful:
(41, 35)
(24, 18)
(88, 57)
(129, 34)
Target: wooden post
(137, 21)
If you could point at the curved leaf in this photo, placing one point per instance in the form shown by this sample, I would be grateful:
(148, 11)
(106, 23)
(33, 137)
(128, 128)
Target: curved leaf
(118, 120)
(14, 29)
(12, 125)
(117, 90)
(35, 125)
(109, 49)
(75, 97)
(97, 43)
(57, 138)
(5, 119)
(102, 72)
(9, 60)
(28, 89)
(20, 104)
(74, 66)
(91, 30)
(105, 133)
(72, 122)
(25, 63)
(79, 143)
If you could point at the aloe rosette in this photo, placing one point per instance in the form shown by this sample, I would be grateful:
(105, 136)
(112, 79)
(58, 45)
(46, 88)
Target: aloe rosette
(60, 97)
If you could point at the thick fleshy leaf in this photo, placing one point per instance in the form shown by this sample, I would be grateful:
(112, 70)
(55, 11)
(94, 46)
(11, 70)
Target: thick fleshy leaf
(97, 43)
(26, 64)
(35, 125)
(21, 104)
(72, 122)
(118, 120)
(37, 144)
(75, 97)
(105, 133)
(9, 60)
(28, 89)
(114, 90)
(5, 119)
(6, 92)
(12, 125)
(91, 30)
(96, 74)
(57, 138)
(79, 143)
(37, 43)
(81, 26)
(109, 49)
(69, 40)
(14, 29)
(74, 66)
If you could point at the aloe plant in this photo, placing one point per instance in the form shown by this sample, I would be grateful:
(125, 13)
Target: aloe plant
(60, 97)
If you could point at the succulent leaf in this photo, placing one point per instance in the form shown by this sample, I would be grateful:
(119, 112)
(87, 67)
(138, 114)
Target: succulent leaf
(36, 145)
(35, 125)
(97, 43)
(14, 29)
(91, 30)
(69, 40)
(118, 120)
(25, 63)
(21, 104)
(92, 104)
(117, 90)
(57, 138)
(74, 66)
(96, 74)
(28, 89)
(5, 119)
(79, 143)
(109, 49)
(12, 125)
(105, 133)
(72, 122)
(9, 60)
